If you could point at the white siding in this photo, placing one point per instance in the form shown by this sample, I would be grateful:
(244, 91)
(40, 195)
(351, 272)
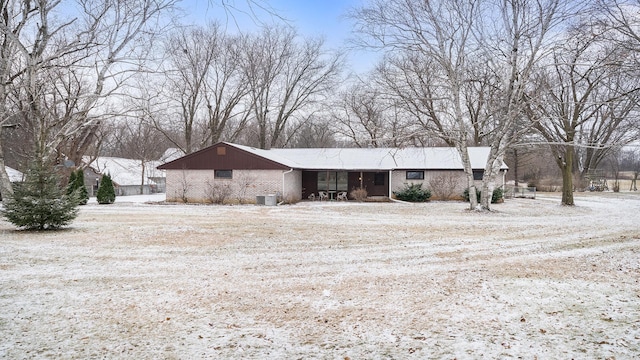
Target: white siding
(292, 186)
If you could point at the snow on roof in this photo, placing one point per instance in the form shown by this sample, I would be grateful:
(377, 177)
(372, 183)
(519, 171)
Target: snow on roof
(126, 171)
(373, 158)
(14, 175)
(171, 154)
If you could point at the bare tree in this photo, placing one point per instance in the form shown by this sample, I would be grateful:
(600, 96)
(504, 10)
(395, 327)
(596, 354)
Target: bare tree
(65, 66)
(621, 16)
(286, 78)
(583, 102)
(427, 34)
(368, 117)
(316, 132)
(226, 93)
(436, 70)
(139, 140)
(199, 94)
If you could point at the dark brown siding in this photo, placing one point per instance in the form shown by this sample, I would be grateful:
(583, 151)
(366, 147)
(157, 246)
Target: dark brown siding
(222, 156)
(309, 183)
(369, 184)
(354, 181)
(376, 190)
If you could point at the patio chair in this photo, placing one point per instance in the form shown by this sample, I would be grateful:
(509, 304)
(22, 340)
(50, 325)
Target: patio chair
(342, 195)
(323, 195)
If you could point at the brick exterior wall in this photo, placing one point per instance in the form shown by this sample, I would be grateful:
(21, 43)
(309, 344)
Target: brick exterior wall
(455, 182)
(200, 186)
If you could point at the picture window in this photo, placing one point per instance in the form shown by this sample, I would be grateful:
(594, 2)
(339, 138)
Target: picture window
(415, 175)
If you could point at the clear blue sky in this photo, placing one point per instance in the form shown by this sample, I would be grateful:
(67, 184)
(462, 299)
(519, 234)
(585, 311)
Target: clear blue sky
(325, 18)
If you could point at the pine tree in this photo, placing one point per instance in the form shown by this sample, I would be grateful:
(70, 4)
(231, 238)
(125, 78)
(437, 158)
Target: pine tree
(83, 194)
(71, 185)
(39, 202)
(106, 193)
(76, 185)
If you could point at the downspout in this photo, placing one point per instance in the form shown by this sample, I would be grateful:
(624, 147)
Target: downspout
(389, 193)
(283, 174)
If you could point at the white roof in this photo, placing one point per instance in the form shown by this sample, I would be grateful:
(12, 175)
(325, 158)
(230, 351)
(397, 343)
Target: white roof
(14, 175)
(171, 154)
(443, 158)
(126, 171)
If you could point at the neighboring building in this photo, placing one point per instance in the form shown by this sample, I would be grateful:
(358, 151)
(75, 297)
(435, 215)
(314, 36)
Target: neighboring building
(129, 176)
(243, 172)
(14, 176)
(171, 154)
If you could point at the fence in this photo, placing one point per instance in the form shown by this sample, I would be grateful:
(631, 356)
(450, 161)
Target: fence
(520, 192)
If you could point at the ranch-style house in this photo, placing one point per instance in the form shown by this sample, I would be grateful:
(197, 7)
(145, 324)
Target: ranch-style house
(240, 173)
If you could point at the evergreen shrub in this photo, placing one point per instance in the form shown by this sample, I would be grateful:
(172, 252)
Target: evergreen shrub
(76, 184)
(40, 203)
(413, 193)
(496, 196)
(106, 192)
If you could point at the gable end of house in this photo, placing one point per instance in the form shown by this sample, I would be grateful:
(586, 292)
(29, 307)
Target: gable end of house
(223, 156)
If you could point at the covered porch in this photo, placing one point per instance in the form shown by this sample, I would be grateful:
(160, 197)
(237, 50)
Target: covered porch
(333, 182)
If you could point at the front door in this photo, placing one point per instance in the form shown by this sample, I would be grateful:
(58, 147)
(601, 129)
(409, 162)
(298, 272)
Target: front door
(376, 183)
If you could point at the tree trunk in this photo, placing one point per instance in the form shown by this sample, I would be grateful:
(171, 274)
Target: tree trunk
(567, 177)
(6, 189)
(142, 178)
(515, 166)
(466, 163)
(262, 126)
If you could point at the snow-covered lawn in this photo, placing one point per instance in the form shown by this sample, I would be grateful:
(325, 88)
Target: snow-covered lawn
(133, 280)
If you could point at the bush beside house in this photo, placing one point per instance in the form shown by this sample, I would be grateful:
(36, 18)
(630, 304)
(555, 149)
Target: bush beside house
(413, 193)
(496, 197)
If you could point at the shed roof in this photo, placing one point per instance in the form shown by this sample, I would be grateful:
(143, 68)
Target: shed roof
(378, 159)
(123, 171)
(14, 175)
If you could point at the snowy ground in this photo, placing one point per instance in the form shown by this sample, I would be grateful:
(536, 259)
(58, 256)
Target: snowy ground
(531, 280)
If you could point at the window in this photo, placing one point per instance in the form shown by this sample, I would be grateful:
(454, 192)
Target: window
(333, 180)
(478, 174)
(415, 175)
(223, 174)
(378, 179)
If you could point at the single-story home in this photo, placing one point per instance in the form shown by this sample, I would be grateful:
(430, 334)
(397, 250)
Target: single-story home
(240, 173)
(129, 176)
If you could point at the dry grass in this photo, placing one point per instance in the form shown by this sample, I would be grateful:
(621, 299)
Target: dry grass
(327, 280)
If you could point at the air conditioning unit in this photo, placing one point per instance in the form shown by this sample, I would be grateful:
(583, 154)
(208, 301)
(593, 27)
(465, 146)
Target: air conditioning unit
(270, 200)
